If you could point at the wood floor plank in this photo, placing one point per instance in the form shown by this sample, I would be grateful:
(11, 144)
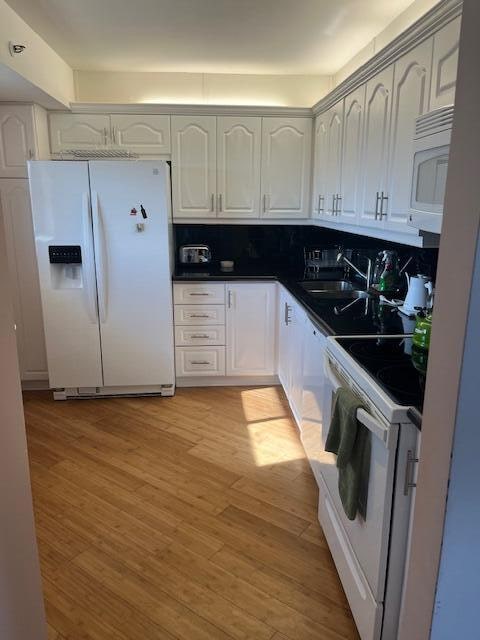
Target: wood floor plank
(184, 518)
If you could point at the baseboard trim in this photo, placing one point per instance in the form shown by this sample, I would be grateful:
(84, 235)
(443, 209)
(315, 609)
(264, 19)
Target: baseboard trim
(228, 381)
(35, 385)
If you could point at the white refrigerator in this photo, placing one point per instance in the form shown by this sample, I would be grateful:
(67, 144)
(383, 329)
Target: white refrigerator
(102, 242)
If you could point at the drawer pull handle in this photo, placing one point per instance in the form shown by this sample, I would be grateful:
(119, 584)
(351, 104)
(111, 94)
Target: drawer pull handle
(200, 362)
(193, 293)
(200, 335)
(199, 315)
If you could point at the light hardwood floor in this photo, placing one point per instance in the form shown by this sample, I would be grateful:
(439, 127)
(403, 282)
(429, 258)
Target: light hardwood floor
(189, 518)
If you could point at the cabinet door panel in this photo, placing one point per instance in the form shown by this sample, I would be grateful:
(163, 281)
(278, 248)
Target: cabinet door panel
(17, 219)
(286, 149)
(445, 62)
(334, 155)
(352, 155)
(17, 140)
(238, 167)
(251, 313)
(78, 131)
(410, 100)
(319, 190)
(194, 166)
(376, 135)
(142, 134)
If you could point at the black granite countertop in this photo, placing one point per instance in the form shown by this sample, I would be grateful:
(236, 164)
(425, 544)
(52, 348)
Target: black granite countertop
(333, 317)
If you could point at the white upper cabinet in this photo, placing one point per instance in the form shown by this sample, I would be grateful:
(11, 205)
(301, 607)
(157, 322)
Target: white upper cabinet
(319, 186)
(286, 152)
(378, 104)
(334, 157)
(16, 215)
(194, 166)
(17, 140)
(142, 134)
(410, 100)
(445, 61)
(350, 189)
(238, 167)
(250, 321)
(78, 131)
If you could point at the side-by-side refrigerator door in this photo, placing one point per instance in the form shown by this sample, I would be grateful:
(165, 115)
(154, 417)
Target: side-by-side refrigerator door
(130, 227)
(62, 220)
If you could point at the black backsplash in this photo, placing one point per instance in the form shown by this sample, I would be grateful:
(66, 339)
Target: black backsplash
(281, 246)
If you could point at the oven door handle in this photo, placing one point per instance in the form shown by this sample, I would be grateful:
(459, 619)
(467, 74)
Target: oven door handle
(386, 433)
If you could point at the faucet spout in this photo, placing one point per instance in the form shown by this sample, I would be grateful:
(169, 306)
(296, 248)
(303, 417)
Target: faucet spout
(366, 276)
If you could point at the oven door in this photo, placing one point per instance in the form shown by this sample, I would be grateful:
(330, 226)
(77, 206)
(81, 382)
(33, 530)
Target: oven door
(369, 537)
(430, 166)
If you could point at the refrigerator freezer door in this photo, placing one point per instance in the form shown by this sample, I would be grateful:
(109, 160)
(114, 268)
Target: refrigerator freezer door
(63, 238)
(130, 223)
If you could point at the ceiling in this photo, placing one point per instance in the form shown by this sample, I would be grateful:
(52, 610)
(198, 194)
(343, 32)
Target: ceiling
(209, 36)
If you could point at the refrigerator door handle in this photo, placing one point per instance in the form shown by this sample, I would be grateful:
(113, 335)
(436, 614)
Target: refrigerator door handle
(100, 260)
(88, 261)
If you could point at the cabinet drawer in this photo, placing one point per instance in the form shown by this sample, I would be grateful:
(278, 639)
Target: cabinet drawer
(200, 361)
(185, 336)
(199, 314)
(199, 293)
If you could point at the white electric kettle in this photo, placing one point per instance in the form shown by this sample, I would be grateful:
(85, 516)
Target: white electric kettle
(417, 294)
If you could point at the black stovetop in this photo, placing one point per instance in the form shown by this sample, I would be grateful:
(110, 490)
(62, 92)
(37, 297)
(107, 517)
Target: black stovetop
(395, 363)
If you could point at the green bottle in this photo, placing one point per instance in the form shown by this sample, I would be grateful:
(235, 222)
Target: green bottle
(423, 330)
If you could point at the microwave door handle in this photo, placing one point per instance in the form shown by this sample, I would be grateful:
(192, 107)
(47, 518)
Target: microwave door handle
(88, 260)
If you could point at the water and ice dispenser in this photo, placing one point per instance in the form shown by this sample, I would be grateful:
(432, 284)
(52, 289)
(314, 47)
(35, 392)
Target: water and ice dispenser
(66, 266)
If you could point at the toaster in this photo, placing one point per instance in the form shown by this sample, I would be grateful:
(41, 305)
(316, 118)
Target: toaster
(194, 254)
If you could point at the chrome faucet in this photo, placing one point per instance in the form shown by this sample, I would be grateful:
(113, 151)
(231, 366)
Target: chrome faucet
(366, 276)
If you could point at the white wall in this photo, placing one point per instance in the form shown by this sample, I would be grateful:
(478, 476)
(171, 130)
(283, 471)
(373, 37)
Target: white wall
(458, 590)
(198, 88)
(21, 607)
(415, 11)
(39, 63)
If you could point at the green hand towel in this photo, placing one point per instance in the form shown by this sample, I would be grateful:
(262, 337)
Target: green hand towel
(350, 441)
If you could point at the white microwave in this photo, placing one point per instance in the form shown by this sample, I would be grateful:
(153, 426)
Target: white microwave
(431, 148)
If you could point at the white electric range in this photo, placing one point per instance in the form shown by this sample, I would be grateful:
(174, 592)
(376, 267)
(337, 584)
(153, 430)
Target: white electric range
(370, 553)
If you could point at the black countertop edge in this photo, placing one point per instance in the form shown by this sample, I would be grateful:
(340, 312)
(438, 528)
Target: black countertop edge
(416, 417)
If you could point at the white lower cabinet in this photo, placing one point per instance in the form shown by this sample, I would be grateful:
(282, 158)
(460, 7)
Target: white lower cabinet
(16, 216)
(235, 336)
(250, 324)
(200, 361)
(292, 322)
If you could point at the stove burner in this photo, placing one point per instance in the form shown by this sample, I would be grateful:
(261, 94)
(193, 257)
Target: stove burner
(378, 349)
(401, 380)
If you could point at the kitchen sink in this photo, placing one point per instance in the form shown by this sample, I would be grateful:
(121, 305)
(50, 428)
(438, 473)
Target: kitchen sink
(339, 294)
(326, 286)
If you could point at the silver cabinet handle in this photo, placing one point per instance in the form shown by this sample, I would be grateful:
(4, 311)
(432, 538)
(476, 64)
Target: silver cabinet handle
(377, 201)
(31, 154)
(334, 201)
(105, 136)
(220, 205)
(265, 206)
(383, 198)
(195, 293)
(229, 299)
(200, 362)
(321, 200)
(204, 336)
(199, 315)
(409, 471)
(212, 202)
(337, 207)
(287, 317)
(113, 134)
